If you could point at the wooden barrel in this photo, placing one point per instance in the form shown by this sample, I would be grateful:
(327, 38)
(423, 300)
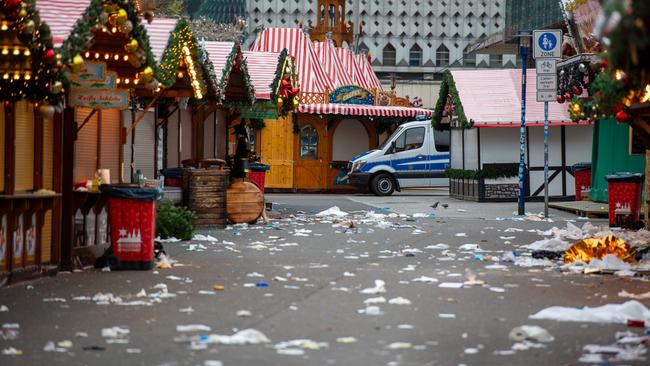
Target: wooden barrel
(204, 192)
(245, 202)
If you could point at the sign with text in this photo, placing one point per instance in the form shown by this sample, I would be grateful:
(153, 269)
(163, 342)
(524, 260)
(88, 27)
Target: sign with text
(546, 66)
(91, 71)
(547, 82)
(546, 95)
(351, 94)
(547, 43)
(99, 98)
(546, 79)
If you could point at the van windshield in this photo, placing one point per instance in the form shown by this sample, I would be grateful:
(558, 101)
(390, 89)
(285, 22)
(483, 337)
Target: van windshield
(397, 132)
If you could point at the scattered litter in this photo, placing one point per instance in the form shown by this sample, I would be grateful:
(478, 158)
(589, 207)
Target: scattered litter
(3, 308)
(187, 310)
(630, 295)
(349, 274)
(405, 326)
(446, 316)
(218, 287)
(332, 211)
(262, 284)
(243, 337)
(470, 247)
(610, 313)
(54, 299)
(12, 352)
(346, 340)
(399, 301)
(451, 285)
(193, 328)
(530, 333)
(461, 235)
(371, 310)
(399, 345)
(133, 350)
(375, 300)
(438, 246)
(118, 335)
(425, 279)
(244, 314)
(471, 351)
(380, 288)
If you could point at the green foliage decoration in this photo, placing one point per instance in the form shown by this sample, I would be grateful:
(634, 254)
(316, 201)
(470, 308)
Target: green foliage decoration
(236, 62)
(448, 88)
(174, 222)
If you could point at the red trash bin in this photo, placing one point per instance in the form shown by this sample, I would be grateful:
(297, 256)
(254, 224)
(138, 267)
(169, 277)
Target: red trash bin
(624, 190)
(258, 174)
(132, 219)
(582, 178)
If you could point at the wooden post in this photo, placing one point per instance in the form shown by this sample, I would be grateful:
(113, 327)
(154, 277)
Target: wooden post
(67, 182)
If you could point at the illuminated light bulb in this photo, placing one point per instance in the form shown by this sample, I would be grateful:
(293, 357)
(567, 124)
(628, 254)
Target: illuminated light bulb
(157, 89)
(619, 74)
(28, 76)
(5, 76)
(199, 95)
(87, 54)
(136, 81)
(118, 80)
(104, 29)
(96, 54)
(16, 76)
(4, 26)
(27, 53)
(646, 96)
(126, 57)
(16, 51)
(107, 56)
(127, 81)
(113, 30)
(180, 74)
(5, 51)
(116, 57)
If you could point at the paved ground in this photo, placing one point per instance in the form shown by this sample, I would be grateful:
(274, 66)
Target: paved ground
(315, 274)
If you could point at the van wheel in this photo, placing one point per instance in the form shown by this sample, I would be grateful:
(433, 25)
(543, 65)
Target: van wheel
(382, 185)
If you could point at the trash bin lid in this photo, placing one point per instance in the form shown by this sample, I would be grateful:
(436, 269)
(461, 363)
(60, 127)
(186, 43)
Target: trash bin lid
(130, 192)
(580, 167)
(257, 167)
(624, 177)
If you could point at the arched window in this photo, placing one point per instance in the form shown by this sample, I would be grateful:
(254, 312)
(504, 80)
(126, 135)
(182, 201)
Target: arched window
(389, 55)
(308, 143)
(415, 55)
(469, 58)
(442, 56)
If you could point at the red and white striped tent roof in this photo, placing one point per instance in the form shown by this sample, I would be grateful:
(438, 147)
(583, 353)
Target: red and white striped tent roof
(159, 32)
(262, 67)
(351, 67)
(332, 65)
(501, 107)
(311, 75)
(218, 53)
(61, 16)
(367, 73)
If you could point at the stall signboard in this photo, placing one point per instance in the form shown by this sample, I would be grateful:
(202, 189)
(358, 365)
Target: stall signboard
(99, 98)
(351, 94)
(91, 71)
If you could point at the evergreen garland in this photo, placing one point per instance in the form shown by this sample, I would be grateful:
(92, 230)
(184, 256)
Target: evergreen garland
(279, 73)
(237, 62)
(448, 87)
(81, 36)
(181, 36)
(37, 57)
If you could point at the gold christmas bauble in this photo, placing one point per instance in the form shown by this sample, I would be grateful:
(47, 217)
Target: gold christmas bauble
(132, 46)
(280, 102)
(296, 103)
(121, 17)
(77, 63)
(147, 74)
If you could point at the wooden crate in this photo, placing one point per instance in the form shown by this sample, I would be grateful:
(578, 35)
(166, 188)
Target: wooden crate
(204, 192)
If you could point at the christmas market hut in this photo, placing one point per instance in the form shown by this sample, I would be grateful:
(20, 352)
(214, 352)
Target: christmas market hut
(105, 50)
(484, 144)
(31, 90)
(337, 117)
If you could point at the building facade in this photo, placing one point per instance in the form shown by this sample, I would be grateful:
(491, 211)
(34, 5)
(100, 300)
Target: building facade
(410, 42)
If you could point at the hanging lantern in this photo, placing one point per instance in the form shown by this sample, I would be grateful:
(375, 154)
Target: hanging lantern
(77, 63)
(46, 110)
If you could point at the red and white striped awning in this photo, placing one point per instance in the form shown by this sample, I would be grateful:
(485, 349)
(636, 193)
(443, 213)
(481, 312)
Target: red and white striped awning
(350, 65)
(364, 110)
(159, 32)
(61, 16)
(331, 63)
(262, 67)
(311, 75)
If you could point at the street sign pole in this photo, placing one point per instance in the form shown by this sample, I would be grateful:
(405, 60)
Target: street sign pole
(546, 160)
(521, 199)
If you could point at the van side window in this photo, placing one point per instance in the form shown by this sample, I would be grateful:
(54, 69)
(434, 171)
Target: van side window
(441, 139)
(411, 139)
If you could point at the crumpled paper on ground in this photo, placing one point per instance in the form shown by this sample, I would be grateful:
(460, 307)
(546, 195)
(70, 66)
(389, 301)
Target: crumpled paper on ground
(610, 313)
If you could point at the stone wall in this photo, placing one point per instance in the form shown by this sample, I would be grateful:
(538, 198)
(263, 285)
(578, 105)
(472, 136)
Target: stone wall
(501, 191)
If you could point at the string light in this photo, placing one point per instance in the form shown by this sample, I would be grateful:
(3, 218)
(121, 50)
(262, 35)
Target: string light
(646, 95)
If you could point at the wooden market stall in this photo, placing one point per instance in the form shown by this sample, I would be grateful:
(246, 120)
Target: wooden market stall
(106, 50)
(340, 99)
(485, 136)
(31, 89)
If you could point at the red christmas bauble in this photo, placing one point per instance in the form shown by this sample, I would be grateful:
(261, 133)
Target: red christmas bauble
(623, 117)
(560, 99)
(568, 96)
(604, 64)
(49, 56)
(577, 90)
(618, 107)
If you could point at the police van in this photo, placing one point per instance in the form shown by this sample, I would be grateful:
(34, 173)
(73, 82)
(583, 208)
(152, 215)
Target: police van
(415, 155)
